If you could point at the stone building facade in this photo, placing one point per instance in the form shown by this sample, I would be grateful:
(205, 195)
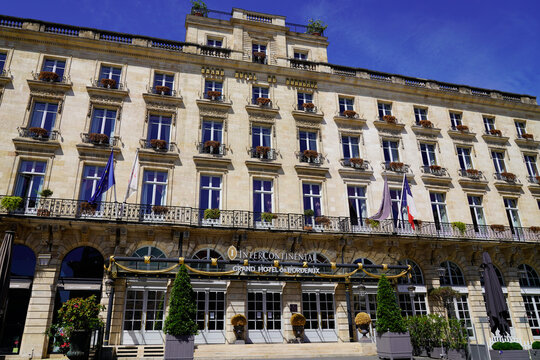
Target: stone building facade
(219, 121)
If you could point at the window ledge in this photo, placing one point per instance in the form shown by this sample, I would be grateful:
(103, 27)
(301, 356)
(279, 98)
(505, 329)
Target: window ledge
(495, 139)
(462, 135)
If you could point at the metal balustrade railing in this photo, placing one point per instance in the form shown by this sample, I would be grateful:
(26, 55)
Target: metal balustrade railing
(308, 109)
(88, 139)
(434, 170)
(188, 216)
(59, 80)
(473, 174)
(263, 154)
(27, 133)
(218, 149)
(149, 144)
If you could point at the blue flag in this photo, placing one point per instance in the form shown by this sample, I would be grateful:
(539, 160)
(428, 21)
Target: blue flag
(106, 181)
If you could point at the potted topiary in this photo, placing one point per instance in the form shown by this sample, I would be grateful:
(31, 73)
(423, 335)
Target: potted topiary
(45, 193)
(393, 339)
(458, 225)
(77, 318)
(211, 216)
(508, 351)
(11, 203)
(180, 325)
(199, 8)
(316, 27)
(298, 321)
(239, 322)
(362, 321)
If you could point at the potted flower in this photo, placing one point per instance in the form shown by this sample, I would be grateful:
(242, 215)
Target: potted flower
(268, 217)
(308, 213)
(163, 90)
(495, 132)
(308, 106)
(38, 132)
(316, 27)
(458, 225)
(259, 54)
(77, 318)
(396, 166)
(180, 325)
(349, 113)
(239, 322)
(97, 138)
(45, 193)
(213, 94)
(310, 155)
(390, 119)
(462, 128)
(48, 76)
(11, 203)
(497, 227)
(362, 321)
(418, 223)
(535, 229)
(298, 321)
(160, 209)
(108, 83)
(212, 146)
(262, 101)
(211, 216)
(372, 223)
(356, 162)
(262, 151)
(508, 176)
(158, 144)
(426, 123)
(527, 136)
(435, 168)
(472, 172)
(88, 208)
(393, 339)
(198, 8)
(508, 351)
(323, 220)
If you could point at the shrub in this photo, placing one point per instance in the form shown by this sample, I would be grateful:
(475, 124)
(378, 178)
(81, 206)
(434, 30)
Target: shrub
(45, 193)
(309, 212)
(457, 334)
(458, 225)
(506, 346)
(535, 229)
(444, 294)
(536, 345)
(262, 150)
(268, 216)
(77, 314)
(199, 6)
(11, 203)
(362, 318)
(238, 320)
(259, 54)
(298, 320)
(388, 312)
(316, 26)
(509, 176)
(182, 307)
(373, 223)
(212, 214)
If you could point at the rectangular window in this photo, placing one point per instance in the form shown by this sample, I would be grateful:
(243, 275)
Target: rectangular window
(212, 131)
(512, 213)
(357, 204)
(489, 124)
(367, 304)
(259, 48)
(55, 66)
(530, 163)
(390, 150)
(263, 192)
(464, 157)
(103, 122)
(420, 114)
(89, 182)
(259, 53)
(395, 196)
(264, 310)
(159, 127)
(154, 188)
(345, 104)
(428, 154)
(211, 85)
(438, 207)
(318, 308)
(164, 80)
(532, 308)
(259, 92)
(30, 182)
(261, 136)
(308, 140)
(455, 120)
(214, 42)
(44, 115)
(460, 311)
(304, 98)
(477, 212)
(350, 147)
(384, 109)
(520, 128)
(210, 195)
(210, 310)
(498, 161)
(312, 198)
(110, 72)
(300, 55)
(406, 306)
(3, 57)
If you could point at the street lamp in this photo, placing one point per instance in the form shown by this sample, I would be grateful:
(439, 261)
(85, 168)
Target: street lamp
(44, 259)
(109, 290)
(362, 290)
(441, 271)
(109, 285)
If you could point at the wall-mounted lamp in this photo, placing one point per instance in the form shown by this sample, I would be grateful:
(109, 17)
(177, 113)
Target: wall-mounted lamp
(44, 259)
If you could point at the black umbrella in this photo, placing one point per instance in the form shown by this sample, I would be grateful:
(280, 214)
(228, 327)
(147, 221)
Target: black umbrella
(497, 309)
(5, 268)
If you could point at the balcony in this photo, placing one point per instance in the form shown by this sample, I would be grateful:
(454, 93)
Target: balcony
(461, 132)
(472, 179)
(435, 175)
(214, 51)
(107, 87)
(51, 81)
(66, 209)
(426, 128)
(495, 136)
(157, 145)
(101, 140)
(37, 140)
(162, 94)
(395, 166)
(527, 140)
(263, 153)
(356, 163)
(311, 157)
(259, 105)
(507, 182)
(212, 148)
(303, 64)
(307, 111)
(389, 123)
(534, 184)
(355, 168)
(349, 117)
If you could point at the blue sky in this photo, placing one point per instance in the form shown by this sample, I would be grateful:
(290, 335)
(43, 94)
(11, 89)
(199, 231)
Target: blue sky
(493, 44)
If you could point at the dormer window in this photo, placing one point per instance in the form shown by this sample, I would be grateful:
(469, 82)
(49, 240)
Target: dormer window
(214, 42)
(259, 53)
(300, 55)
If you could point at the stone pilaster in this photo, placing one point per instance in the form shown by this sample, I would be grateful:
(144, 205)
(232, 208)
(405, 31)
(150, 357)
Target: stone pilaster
(516, 306)
(235, 304)
(118, 311)
(292, 294)
(342, 322)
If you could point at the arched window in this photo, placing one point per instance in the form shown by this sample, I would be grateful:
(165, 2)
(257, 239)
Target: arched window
(207, 254)
(528, 277)
(82, 262)
(453, 276)
(319, 258)
(499, 277)
(154, 253)
(23, 263)
(416, 273)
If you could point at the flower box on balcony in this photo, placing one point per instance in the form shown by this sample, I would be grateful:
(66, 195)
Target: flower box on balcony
(88, 208)
(396, 166)
(308, 106)
(37, 131)
(108, 83)
(262, 150)
(472, 172)
(349, 113)
(498, 228)
(212, 214)
(535, 229)
(163, 90)
(435, 168)
(527, 136)
(259, 54)
(263, 101)
(268, 217)
(463, 128)
(495, 132)
(158, 144)
(97, 138)
(426, 123)
(160, 209)
(372, 223)
(390, 119)
(311, 154)
(48, 76)
(356, 162)
(211, 144)
(43, 212)
(214, 95)
(323, 220)
(508, 176)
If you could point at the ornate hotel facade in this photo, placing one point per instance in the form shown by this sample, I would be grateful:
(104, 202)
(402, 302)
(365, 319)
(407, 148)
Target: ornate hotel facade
(247, 116)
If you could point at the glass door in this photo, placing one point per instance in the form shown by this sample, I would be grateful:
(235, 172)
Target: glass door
(144, 317)
(318, 308)
(264, 317)
(210, 317)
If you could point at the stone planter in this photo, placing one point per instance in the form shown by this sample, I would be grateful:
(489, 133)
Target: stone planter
(394, 345)
(79, 347)
(457, 354)
(239, 331)
(436, 353)
(298, 331)
(179, 347)
(535, 354)
(509, 354)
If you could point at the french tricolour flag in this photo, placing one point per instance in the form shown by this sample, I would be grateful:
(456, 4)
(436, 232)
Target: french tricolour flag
(407, 201)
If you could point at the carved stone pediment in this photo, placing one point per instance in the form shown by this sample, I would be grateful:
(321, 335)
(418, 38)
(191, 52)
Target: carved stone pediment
(308, 124)
(163, 100)
(104, 100)
(262, 117)
(47, 95)
(160, 107)
(213, 109)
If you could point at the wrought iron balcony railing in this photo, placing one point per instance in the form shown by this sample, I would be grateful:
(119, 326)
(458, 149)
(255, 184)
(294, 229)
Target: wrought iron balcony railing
(312, 159)
(395, 166)
(187, 216)
(355, 164)
(264, 104)
(165, 92)
(38, 135)
(218, 149)
(161, 145)
(306, 108)
(264, 153)
(58, 80)
(471, 174)
(434, 170)
(534, 179)
(117, 86)
(508, 177)
(87, 138)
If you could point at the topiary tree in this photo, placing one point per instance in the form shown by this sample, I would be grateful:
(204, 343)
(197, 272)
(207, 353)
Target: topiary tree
(182, 307)
(388, 312)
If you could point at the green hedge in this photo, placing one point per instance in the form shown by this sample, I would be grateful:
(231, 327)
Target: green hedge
(506, 346)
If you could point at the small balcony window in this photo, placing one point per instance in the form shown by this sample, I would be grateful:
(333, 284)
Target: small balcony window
(520, 128)
(260, 96)
(464, 157)
(163, 83)
(498, 161)
(345, 104)
(109, 77)
(489, 124)
(420, 114)
(52, 70)
(214, 42)
(259, 53)
(159, 132)
(455, 120)
(3, 57)
(103, 122)
(304, 101)
(384, 109)
(299, 55)
(43, 119)
(213, 90)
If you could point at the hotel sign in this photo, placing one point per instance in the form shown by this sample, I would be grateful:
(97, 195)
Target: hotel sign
(265, 255)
